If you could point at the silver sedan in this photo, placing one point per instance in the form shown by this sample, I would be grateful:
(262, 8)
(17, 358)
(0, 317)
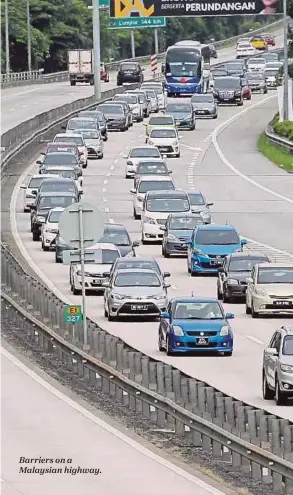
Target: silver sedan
(135, 292)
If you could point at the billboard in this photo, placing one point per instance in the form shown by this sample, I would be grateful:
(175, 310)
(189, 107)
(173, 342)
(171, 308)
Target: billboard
(120, 9)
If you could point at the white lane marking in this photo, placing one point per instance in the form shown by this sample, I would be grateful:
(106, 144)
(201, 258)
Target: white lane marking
(107, 210)
(24, 106)
(270, 248)
(110, 429)
(105, 200)
(111, 220)
(112, 168)
(108, 174)
(174, 287)
(22, 93)
(254, 339)
(225, 124)
(116, 160)
(12, 110)
(192, 148)
(104, 190)
(106, 181)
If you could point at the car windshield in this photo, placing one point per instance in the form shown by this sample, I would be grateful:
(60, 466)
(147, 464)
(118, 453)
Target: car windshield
(55, 216)
(50, 202)
(128, 67)
(196, 199)
(135, 279)
(58, 185)
(70, 139)
(157, 90)
(111, 109)
(151, 169)
(244, 264)
(161, 121)
(244, 45)
(288, 345)
(155, 185)
(66, 174)
(275, 275)
(236, 67)
(202, 99)
(136, 264)
(35, 183)
(54, 148)
(181, 69)
(217, 237)
(106, 256)
(163, 133)
(91, 134)
(184, 223)
(82, 124)
(255, 76)
(219, 73)
(150, 93)
(145, 152)
(131, 99)
(256, 61)
(198, 311)
(271, 72)
(180, 108)
(116, 237)
(271, 56)
(167, 205)
(60, 159)
(227, 84)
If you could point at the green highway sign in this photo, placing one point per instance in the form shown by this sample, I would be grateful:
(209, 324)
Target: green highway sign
(73, 314)
(137, 22)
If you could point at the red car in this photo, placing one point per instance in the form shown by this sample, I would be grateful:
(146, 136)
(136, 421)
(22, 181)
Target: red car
(246, 91)
(104, 74)
(269, 39)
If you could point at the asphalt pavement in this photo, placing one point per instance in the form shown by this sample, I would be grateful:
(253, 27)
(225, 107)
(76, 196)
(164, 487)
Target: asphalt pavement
(44, 429)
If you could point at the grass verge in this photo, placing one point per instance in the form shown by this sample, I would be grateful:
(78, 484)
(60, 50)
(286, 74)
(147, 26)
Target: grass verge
(275, 153)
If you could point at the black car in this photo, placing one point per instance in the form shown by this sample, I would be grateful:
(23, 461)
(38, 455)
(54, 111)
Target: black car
(228, 90)
(183, 115)
(44, 203)
(127, 110)
(235, 69)
(213, 51)
(115, 116)
(137, 263)
(101, 121)
(231, 283)
(118, 235)
(177, 232)
(129, 72)
(204, 105)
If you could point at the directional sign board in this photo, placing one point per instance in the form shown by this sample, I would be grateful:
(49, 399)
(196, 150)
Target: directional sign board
(73, 314)
(137, 23)
(93, 224)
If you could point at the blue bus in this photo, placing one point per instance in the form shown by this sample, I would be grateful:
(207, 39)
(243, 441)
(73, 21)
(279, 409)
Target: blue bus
(184, 67)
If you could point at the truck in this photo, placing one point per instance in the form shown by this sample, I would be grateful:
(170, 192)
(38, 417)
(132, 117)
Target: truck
(80, 66)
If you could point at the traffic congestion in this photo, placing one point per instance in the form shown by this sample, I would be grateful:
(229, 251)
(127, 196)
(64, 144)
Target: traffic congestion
(174, 221)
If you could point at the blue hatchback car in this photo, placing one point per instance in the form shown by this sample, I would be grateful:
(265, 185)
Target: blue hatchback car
(195, 324)
(209, 245)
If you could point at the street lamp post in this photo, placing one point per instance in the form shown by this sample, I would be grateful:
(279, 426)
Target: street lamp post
(7, 55)
(97, 48)
(286, 88)
(29, 37)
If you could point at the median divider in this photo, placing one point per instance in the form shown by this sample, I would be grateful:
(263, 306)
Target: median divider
(279, 140)
(255, 442)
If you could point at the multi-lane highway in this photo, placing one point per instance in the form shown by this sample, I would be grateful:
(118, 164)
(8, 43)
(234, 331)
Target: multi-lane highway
(54, 427)
(246, 190)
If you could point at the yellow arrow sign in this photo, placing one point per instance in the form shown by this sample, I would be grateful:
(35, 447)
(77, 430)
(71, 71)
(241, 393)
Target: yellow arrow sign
(123, 8)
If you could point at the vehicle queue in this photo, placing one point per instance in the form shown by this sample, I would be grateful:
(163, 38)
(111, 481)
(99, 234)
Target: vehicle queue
(180, 220)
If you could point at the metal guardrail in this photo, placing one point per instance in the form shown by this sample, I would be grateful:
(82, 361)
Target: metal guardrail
(251, 440)
(280, 140)
(37, 76)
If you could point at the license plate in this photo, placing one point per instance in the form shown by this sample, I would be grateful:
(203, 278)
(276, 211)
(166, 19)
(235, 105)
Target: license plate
(202, 341)
(216, 262)
(283, 303)
(98, 281)
(164, 149)
(201, 111)
(177, 122)
(139, 307)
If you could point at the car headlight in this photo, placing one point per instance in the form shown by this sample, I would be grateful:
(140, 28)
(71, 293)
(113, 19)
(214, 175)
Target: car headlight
(172, 237)
(237, 93)
(205, 213)
(260, 292)
(139, 198)
(287, 368)
(50, 231)
(232, 281)
(198, 252)
(178, 331)
(151, 142)
(31, 196)
(40, 219)
(224, 331)
(149, 220)
(175, 143)
(117, 297)
(78, 273)
(129, 163)
(160, 297)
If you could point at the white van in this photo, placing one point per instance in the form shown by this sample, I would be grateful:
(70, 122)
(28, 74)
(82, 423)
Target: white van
(157, 206)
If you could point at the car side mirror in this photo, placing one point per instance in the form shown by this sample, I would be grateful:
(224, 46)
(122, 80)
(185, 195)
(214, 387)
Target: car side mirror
(164, 314)
(194, 210)
(39, 162)
(125, 156)
(163, 228)
(249, 280)
(133, 191)
(106, 284)
(63, 126)
(135, 244)
(229, 316)
(42, 153)
(23, 186)
(106, 274)
(143, 69)
(167, 286)
(210, 204)
(221, 269)
(243, 242)
(170, 172)
(34, 192)
(188, 243)
(167, 274)
(272, 351)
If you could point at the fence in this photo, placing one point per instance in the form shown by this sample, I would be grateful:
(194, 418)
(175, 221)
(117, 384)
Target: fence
(253, 441)
(37, 76)
(276, 139)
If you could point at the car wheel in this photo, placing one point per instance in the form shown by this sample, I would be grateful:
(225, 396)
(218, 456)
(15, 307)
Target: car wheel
(135, 215)
(249, 98)
(105, 138)
(226, 299)
(219, 295)
(119, 83)
(105, 311)
(84, 165)
(188, 268)
(165, 254)
(247, 310)
(254, 313)
(168, 350)
(280, 397)
(240, 104)
(75, 292)
(192, 273)
(72, 83)
(267, 393)
(57, 260)
(215, 116)
(111, 318)
(178, 155)
(160, 347)
(44, 248)
(227, 354)
(36, 236)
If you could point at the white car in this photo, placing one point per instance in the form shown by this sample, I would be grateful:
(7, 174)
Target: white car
(66, 172)
(245, 49)
(71, 137)
(270, 289)
(166, 139)
(157, 206)
(256, 64)
(106, 254)
(31, 190)
(159, 90)
(152, 97)
(94, 143)
(149, 183)
(137, 154)
(50, 228)
(133, 102)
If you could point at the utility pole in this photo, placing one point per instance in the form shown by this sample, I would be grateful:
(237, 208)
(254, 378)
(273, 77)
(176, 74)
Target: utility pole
(132, 44)
(7, 55)
(29, 37)
(156, 41)
(97, 48)
(286, 92)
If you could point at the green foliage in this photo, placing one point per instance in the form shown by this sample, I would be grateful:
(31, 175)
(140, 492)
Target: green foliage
(275, 153)
(284, 129)
(60, 25)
